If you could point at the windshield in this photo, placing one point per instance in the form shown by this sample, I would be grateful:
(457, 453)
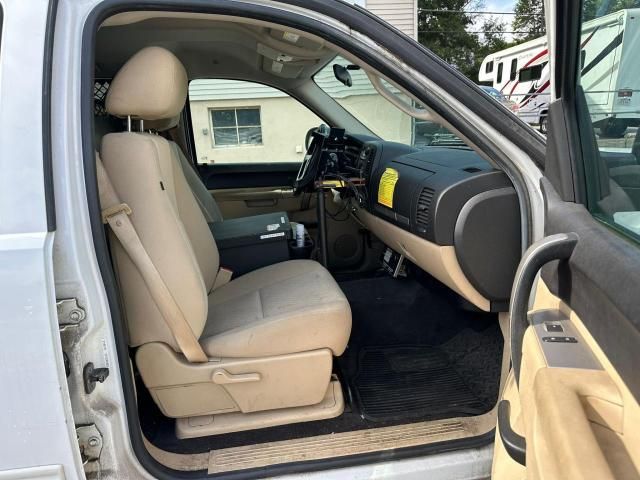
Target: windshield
(379, 115)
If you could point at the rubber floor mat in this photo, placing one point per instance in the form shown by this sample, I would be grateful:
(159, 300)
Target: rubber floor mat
(411, 382)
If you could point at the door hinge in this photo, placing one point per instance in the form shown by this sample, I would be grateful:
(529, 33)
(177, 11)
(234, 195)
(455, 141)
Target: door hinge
(69, 312)
(90, 444)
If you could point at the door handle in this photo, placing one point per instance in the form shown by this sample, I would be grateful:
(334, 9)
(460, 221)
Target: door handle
(554, 247)
(514, 444)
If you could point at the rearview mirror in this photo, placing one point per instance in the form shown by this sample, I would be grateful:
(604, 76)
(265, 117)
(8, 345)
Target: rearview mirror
(342, 74)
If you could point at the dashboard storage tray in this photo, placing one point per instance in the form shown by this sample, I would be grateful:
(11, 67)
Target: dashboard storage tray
(249, 243)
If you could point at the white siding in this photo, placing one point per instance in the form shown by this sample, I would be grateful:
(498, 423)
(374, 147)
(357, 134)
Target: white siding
(402, 14)
(220, 89)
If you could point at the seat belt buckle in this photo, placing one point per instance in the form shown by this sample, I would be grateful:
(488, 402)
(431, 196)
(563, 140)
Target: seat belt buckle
(114, 210)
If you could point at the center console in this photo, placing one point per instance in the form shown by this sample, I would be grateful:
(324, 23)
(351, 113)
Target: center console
(248, 243)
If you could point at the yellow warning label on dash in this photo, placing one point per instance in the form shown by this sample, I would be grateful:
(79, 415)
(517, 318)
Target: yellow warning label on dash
(387, 186)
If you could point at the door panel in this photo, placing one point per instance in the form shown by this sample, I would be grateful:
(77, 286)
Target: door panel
(576, 402)
(245, 202)
(248, 175)
(578, 422)
(576, 398)
(243, 190)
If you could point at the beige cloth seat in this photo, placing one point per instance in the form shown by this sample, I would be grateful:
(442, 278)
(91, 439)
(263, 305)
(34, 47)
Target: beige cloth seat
(289, 317)
(205, 200)
(284, 308)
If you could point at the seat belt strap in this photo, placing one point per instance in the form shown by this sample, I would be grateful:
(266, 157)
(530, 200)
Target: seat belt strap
(116, 215)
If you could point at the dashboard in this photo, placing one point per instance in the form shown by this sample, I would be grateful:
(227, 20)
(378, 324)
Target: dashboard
(444, 208)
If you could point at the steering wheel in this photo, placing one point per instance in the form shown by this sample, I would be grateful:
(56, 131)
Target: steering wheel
(309, 167)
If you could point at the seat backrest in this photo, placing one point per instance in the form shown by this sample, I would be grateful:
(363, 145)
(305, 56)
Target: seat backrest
(146, 175)
(207, 204)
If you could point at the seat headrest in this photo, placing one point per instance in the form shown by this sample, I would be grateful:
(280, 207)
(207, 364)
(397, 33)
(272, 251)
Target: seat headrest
(152, 85)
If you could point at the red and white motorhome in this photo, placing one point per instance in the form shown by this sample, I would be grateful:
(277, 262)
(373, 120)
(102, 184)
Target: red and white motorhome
(522, 73)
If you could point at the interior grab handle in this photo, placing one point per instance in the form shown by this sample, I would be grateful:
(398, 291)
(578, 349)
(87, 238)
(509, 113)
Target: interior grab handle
(554, 247)
(514, 444)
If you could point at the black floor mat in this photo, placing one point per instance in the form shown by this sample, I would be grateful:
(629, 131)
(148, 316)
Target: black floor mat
(411, 382)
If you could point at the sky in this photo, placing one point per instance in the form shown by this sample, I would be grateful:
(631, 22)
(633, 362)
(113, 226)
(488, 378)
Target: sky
(501, 6)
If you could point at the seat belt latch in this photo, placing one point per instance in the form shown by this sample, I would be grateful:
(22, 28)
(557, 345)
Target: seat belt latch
(114, 210)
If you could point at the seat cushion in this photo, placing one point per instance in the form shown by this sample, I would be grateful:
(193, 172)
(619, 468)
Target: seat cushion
(288, 307)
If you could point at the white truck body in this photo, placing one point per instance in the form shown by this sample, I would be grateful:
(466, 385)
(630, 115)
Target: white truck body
(522, 73)
(47, 254)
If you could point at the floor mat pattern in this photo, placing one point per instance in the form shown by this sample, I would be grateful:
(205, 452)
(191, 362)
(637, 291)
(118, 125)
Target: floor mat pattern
(407, 382)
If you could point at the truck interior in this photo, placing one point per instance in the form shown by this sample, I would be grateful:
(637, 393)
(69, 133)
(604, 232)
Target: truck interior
(383, 329)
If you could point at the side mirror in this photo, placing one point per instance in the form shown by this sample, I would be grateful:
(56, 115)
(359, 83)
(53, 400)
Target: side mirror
(342, 74)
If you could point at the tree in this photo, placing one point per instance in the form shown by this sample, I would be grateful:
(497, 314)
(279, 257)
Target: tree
(445, 31)
(529, 19)
(492, 39)
(493, 33)
(599, 8)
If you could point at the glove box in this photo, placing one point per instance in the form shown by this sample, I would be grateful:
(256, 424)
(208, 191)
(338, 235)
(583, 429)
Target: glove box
(248, 243)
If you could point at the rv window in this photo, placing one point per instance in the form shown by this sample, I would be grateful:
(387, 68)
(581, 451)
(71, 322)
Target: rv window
(530, 73)
(514, 69)
(489, 67)
(499, 78)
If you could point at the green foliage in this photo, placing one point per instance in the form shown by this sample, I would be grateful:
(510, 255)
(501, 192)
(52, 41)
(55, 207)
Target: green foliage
(599, 8)
(465, 39)
(461, 39)
(529, 19)
(447, 35)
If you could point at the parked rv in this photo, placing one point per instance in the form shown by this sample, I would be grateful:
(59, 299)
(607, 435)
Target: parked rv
(522, 74)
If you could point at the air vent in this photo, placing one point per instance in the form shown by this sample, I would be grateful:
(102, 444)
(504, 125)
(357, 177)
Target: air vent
(366, 157)
(352, 152)
(472, 169)
(423, 211)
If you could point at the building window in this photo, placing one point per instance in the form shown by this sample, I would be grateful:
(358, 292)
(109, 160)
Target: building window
(236, 126)
(514, 69)
(499, 77)
(489, 67)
